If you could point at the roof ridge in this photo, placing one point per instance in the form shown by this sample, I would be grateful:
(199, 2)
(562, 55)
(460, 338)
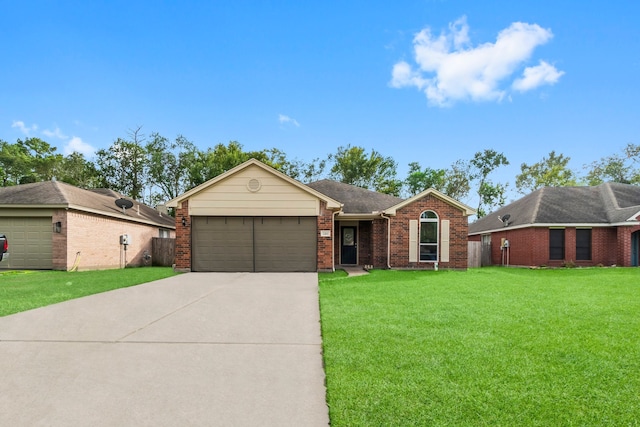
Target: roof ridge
(607, 195)
(58, 189)
(536, 208)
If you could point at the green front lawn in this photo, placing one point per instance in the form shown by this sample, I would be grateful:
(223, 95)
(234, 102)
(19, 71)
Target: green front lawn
(24, 290)
(486, 347)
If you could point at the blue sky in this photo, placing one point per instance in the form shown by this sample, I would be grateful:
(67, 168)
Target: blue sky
(431, 81)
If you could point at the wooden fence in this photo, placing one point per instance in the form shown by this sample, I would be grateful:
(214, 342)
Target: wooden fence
(163, 251)
(474, 254)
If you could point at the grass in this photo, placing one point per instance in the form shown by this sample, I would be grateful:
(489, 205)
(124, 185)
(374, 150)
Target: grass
(486, 347)
(24, 290)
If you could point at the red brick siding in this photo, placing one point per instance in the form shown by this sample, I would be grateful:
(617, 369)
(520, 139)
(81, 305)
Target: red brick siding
(458, 230)
(97, 239)
(59, 241)
(365, 243)
(325, 244)
(379, 243)
(530, 247)
(623, 250)
(183, 238)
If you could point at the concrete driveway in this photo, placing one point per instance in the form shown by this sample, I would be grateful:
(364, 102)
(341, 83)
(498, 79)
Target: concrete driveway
(198, 349)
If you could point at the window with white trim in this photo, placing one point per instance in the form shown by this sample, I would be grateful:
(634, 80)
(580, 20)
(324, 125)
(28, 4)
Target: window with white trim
(429, 236)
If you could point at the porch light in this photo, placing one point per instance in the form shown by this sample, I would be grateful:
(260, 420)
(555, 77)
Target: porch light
(184, 221)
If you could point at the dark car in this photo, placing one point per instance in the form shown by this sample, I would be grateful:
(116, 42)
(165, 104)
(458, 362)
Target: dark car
(4, 245)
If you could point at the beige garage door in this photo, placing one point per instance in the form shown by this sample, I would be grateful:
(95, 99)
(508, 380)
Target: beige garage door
(254, 244)
(30, 244)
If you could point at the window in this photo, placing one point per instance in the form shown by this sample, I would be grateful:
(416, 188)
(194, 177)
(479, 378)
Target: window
(164, 233)
(428, 236)
(556, 243)
(583, 244)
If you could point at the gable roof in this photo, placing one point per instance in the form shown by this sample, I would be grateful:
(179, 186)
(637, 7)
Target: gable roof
(355, 200)
(59, 195)
(603, 205)
(331, 203)
(435, 193)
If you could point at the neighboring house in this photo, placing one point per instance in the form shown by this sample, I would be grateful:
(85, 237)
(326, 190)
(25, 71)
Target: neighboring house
(254, 218)
(53, 225)
(554, 226)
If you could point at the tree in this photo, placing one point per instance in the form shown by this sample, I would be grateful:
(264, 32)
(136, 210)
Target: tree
(123, 167)
(215, 161)
(169, 164)
(31, 160)
(419, 179)
(372, 171)
(78, 171)
(457, 180)
(617, 168)
(14, 163)
(489, 194)
(551, 171)
(44, 163)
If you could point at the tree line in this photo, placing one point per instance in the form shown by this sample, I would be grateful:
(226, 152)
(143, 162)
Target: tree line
(155, 169)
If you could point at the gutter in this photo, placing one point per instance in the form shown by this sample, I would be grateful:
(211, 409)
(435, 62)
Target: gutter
(333, 246)
(388, 239)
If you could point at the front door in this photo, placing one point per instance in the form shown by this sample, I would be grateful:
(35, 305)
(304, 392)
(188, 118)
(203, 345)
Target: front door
(349, 252)
(635, 249)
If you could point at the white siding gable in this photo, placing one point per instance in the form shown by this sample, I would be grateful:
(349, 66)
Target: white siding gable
(253, 191)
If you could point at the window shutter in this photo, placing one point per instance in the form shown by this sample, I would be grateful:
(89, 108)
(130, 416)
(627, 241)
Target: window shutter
(444, 241)
(413, 240)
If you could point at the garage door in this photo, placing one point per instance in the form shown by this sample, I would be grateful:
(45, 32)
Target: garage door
(254, 244)
(30, 244)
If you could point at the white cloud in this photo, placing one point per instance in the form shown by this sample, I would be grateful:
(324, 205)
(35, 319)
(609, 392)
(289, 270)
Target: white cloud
(76, 144)
(286, 119)
(449, 69)
(56, 133)
(537, 76)
(24, 128)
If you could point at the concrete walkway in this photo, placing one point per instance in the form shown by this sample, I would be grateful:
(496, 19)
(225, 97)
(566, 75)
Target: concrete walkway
(198, 349)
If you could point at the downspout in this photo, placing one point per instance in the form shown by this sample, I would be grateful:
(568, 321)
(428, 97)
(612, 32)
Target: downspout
(388, 239)
(333, 246)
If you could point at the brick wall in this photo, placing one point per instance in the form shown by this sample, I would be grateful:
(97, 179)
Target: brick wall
(325, 244)
(458, 230)
(183, 238)
(379, 243)
(530, 247)
(623, 249)
(93, 242)
(59, 241)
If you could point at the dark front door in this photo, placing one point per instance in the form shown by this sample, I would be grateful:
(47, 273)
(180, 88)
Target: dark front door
(635, 249)
(349, 253)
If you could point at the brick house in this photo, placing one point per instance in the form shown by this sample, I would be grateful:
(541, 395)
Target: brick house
(254, 218)
(554, 226)
(54, 225)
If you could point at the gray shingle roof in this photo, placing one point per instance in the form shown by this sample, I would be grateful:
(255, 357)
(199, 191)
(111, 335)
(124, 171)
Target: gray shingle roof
(608, 203)
(60, 194)
(356, 200)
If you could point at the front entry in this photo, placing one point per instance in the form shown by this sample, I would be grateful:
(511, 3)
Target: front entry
(635, 249)
(349, 239)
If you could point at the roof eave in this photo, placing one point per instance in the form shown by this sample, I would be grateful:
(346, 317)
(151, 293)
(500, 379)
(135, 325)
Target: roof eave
(122, 217)
(358, 216)
(331, 203)
(467, 211)
(555, 225)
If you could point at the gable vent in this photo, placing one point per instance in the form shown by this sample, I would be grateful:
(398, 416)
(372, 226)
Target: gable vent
(254, 185)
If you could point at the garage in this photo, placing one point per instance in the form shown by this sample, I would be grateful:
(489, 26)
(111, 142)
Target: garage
(30, 242)
(254, 244)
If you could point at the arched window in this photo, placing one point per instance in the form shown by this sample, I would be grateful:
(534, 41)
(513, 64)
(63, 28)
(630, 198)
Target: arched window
(429, 236)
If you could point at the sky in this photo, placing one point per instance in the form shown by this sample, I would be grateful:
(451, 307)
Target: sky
(432, 81)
